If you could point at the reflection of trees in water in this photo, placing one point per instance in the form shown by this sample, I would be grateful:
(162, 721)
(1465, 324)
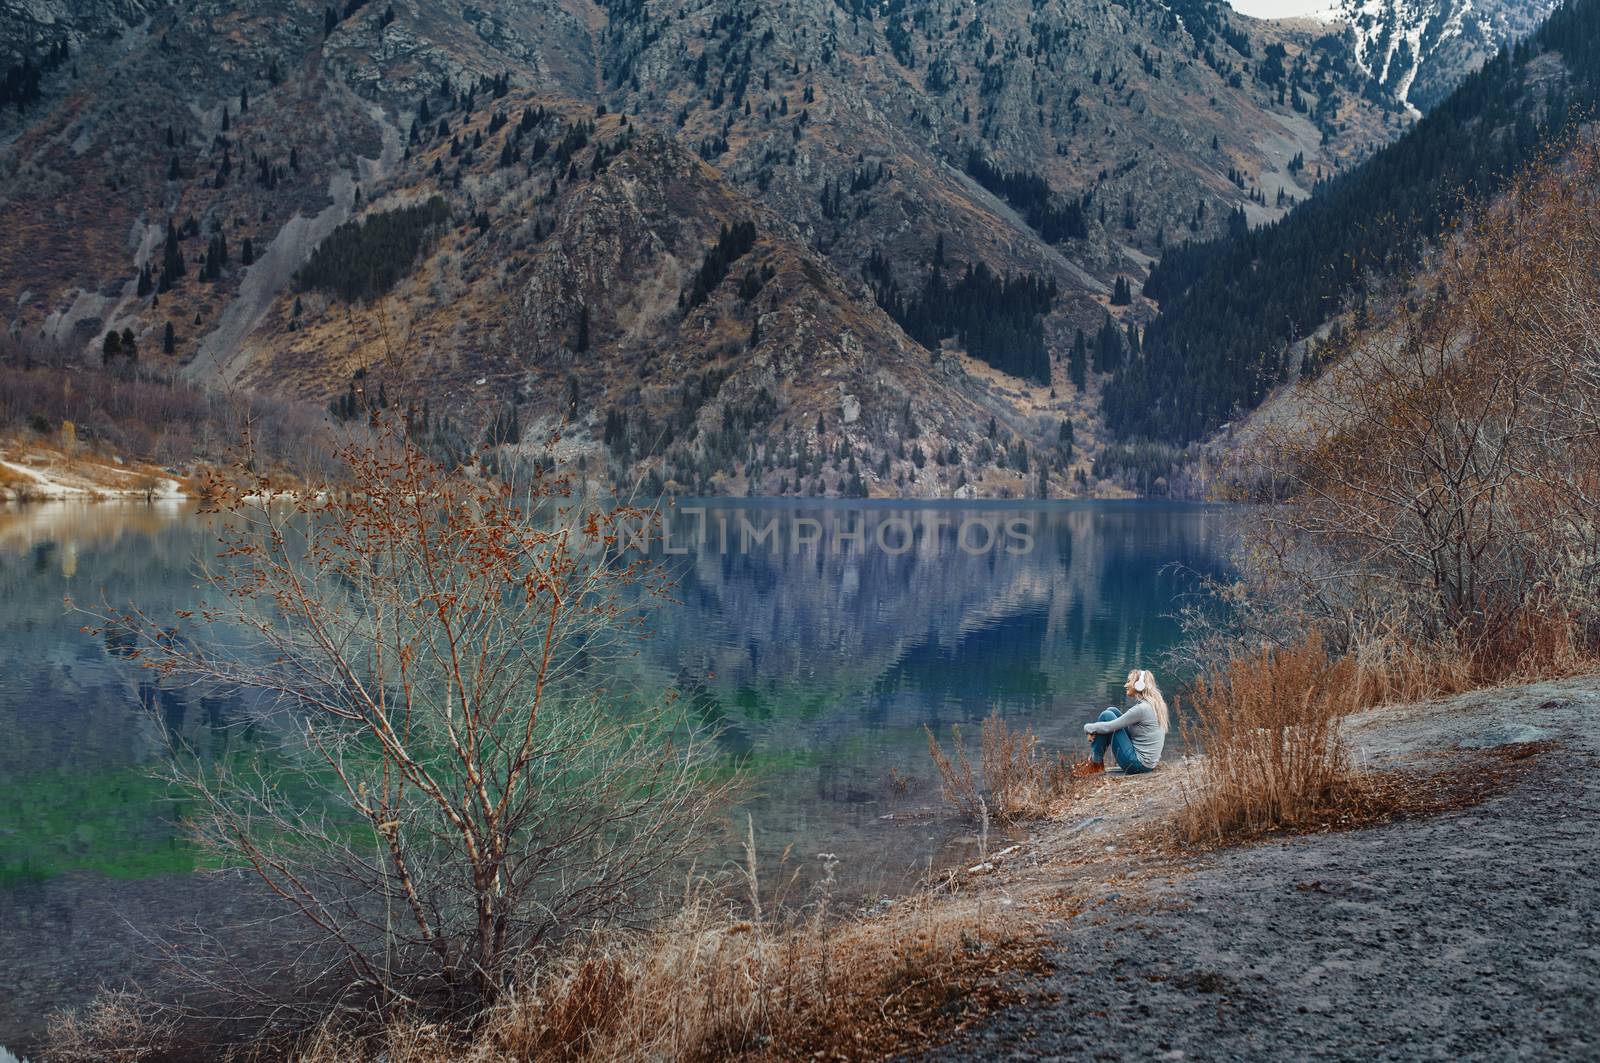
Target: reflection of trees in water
(222, 723)
(798, 637)
(86, 727)
(69, 701)
(826, 665)
(1001, 662)
(762, 642)
(706, 709)
(90, 525)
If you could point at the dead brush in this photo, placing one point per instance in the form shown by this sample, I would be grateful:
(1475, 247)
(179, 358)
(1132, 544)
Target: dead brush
(717, 982)
(1019, 780)
(1538, 641)
(116, 1027)
(709, 987)
(1269, 727)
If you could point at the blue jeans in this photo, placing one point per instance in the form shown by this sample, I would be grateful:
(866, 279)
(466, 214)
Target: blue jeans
(1121, 745)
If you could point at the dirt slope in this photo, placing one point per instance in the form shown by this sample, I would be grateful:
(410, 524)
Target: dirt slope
(1469, 935)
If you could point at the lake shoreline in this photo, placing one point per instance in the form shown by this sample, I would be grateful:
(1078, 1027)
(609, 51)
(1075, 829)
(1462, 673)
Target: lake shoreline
(1375, 942)
(1213, 953)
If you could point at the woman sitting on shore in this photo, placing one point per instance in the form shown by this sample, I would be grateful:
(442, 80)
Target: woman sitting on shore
(1134, 735)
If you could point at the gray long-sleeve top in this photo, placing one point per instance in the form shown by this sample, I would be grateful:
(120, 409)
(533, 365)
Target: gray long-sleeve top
(1142, 725)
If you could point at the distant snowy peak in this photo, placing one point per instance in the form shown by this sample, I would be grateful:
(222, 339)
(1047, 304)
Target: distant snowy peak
(1415, 51)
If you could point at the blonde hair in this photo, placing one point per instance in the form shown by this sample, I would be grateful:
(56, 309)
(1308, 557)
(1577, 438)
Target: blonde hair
(1151, 694)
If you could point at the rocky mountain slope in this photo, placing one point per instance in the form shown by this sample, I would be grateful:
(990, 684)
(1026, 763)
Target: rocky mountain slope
(796, 247)
(1246, 314)
(1416, 51)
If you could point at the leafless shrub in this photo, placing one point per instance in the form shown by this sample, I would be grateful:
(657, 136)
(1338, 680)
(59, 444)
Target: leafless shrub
(1020, 780)
(1268, 726)
(116, 1027)
(453, 786)
(714, 983)
(1445, 477)
(957, 783)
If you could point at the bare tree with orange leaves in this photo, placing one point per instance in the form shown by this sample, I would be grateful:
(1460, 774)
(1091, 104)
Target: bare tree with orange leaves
(456, 777)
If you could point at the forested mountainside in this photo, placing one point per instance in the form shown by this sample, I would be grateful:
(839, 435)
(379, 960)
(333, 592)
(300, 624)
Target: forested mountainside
(1241, 314)
(790, 247)
(1416, 51)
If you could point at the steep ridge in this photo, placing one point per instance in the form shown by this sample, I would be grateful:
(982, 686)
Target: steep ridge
(176, 170)
(1236, 312)
(1416, 51)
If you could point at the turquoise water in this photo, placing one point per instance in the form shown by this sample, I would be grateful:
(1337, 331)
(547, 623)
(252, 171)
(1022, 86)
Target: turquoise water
(820, 651)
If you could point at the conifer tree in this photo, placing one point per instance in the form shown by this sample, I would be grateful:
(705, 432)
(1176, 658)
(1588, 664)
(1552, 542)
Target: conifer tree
(172, 265)
(1078, 363)
(1108, 347)
(581, 342)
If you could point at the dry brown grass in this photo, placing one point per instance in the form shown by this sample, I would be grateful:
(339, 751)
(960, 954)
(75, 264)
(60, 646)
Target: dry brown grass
(1410, 793)
(713, 985)
(1538, 642)
(116, 1027)
(1269, 728)
(723, 978)
(1268, 725)
(1018, 780)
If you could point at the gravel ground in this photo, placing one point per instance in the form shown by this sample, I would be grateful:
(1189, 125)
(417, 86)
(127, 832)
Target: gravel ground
(1474, 934)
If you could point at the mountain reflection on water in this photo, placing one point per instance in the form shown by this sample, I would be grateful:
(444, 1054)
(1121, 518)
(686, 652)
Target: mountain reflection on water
(823, 662)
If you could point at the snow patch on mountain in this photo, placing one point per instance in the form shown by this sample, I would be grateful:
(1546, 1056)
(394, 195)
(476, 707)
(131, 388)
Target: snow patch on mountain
(1415, 51)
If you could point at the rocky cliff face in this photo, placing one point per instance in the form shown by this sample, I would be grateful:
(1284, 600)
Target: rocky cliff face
(595, 164)
(29, 27)
(1416, 51)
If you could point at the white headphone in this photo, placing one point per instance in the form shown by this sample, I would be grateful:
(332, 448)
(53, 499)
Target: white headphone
(1138, 684)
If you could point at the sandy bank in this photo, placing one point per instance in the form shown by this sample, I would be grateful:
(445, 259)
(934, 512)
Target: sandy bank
(51, 475)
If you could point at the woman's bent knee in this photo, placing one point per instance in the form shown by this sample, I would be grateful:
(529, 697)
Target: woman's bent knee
(1109, 715)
